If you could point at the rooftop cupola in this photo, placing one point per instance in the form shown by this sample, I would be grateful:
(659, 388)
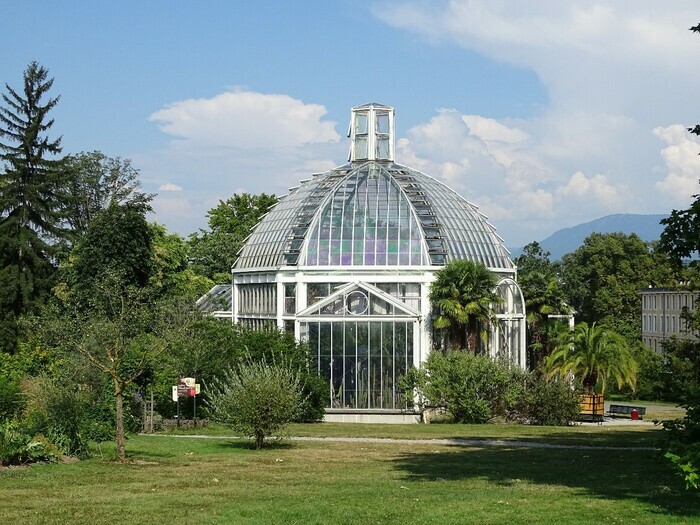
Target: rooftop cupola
(372, 133)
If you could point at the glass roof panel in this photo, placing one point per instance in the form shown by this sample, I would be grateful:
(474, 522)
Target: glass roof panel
(372, 214)
(366, 221)
(218, 299)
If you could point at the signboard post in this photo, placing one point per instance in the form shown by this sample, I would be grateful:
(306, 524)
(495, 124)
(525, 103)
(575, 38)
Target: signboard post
(186, 387)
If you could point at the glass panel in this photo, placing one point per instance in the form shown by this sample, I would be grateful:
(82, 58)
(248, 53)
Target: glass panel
(382, 150)
(360, 123)
(350, 364)
(400, 361)
(367, 221)
(362, 364)
(382, 122)
(360, 147)
(338, 365)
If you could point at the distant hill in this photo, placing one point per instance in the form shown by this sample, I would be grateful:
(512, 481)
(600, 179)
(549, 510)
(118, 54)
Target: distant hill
(567, 240)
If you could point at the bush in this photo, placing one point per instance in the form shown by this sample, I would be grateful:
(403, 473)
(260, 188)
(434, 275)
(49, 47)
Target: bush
(17, 447)
(10, 398)
(545, 402)
(315, 392)
(13, 445)
(472, 388)
(57, 411)
(653, 378)
(683, 439)
(256, 398)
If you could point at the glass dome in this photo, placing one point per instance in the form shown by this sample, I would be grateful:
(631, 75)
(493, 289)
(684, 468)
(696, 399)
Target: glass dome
(372, 213)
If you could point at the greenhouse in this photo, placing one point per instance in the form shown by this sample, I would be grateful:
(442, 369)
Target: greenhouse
(345, 262)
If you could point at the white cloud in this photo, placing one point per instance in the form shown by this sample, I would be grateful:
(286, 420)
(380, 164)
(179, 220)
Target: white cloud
(246, 119)
(682, 163)
(237, 141)
(613, 73)
(594, 191)
(169, 187)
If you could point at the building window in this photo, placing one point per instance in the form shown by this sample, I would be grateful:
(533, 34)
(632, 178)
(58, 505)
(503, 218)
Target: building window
(290, 298)
(362, 361)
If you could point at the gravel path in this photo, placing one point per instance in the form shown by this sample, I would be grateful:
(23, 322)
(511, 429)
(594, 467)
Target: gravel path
(455, 441)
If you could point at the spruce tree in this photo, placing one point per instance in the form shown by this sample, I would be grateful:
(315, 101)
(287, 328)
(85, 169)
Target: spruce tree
(31, 198)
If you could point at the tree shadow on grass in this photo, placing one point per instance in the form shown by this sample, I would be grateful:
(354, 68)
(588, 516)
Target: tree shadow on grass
(641, 475)
(145, 454)
(249, 444)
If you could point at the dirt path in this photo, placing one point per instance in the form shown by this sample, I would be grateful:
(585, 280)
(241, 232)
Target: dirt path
(455, 441)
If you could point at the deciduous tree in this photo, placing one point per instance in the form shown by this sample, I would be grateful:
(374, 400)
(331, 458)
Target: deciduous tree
(214, 251)
(95, 181)
(603, 277)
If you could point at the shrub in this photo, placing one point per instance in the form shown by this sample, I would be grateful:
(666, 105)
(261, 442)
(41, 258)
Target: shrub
(18, 447)
(315, 392)
(256, 398)
(10, 398)
(57, 411)
(545, 402)
(683, 439)
(472, 388)
(13, 445)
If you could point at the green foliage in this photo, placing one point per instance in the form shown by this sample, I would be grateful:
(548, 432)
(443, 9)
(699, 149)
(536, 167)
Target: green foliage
(545, 402)
(56, 410)
(685, 469)
(213, 251)
(683, 442)
(31, 358)
(602, 278)
(315, 390)
(654, 379)
(172, 275)
(11, 401)
(544, 297)
(116, 246)
(95, 181)
(207, 346)
(17, 447)
(13, 445)
(256, 398)
(462, 294)
(32, 191)
(472, 388)
(592, 354)
(681, 236)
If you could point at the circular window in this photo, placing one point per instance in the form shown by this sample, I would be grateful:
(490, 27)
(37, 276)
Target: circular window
(356, 303)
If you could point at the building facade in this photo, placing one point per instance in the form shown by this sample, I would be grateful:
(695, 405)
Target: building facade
(345, 262)
(662, 315)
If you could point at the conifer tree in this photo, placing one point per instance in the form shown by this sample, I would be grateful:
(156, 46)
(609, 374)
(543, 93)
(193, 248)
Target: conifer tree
(31, 198)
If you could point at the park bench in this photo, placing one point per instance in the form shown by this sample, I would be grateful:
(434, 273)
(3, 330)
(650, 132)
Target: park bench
(626, 410)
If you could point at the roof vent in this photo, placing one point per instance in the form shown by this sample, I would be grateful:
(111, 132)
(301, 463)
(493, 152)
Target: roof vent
(372, 133)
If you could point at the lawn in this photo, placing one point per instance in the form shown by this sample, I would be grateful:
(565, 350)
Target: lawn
(172, 479)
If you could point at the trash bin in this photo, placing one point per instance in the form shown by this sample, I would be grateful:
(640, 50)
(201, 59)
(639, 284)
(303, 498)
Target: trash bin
(634, 414)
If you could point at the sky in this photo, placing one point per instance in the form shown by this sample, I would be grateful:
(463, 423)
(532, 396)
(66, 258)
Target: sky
(545, 114)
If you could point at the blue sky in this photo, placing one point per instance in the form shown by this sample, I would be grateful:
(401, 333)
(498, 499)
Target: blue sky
(545, 114)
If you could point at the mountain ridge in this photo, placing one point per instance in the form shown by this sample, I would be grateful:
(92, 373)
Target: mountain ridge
(566, 240)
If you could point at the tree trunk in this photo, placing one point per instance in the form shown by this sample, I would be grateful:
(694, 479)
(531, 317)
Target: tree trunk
(259, 440)
(589, 383)
(119, 397)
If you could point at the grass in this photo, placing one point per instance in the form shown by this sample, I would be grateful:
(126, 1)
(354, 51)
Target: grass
(171, 479)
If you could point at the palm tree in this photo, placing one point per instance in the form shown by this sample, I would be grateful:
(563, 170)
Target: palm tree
(544, 298)
(462, 295)
(594, 354)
